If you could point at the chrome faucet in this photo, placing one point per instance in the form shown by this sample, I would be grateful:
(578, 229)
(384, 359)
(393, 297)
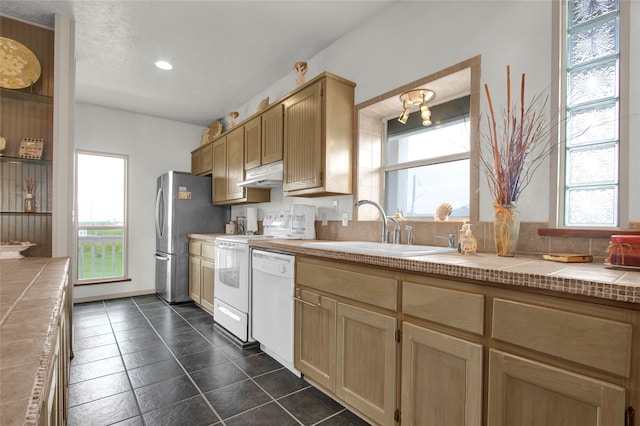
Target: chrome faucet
(409, 229)
(383, 215)
(396, 230)
(451, 240)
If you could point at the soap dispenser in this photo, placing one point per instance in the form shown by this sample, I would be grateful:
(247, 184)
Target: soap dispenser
(468, 243)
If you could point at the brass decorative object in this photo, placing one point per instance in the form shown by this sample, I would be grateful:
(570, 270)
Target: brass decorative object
(263, 104)
(19, 66)
(301, 69)
(232, 118)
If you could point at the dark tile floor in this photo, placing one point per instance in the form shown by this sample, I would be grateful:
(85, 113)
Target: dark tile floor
(141, 361)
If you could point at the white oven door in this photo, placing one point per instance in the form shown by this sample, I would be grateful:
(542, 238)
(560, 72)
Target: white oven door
(232, 274)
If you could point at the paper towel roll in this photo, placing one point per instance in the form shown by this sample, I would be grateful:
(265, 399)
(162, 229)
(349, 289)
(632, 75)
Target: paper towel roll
(252, 220)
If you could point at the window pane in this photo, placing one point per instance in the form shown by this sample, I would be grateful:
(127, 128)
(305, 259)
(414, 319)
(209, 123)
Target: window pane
(592, 207)
(100, 253)
(418, 191)
(598, 124)
(101, 190)
(429, 143)
(593, 83)
(592, 166)
(584, 10)
(592, 43)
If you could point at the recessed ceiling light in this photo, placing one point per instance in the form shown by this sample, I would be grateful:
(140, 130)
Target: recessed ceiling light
(164, 65)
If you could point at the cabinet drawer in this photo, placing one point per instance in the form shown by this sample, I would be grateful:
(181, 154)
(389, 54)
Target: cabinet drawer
(587, 340)
(365, 288)
(195, 248)
(208, 251)
(453, 308)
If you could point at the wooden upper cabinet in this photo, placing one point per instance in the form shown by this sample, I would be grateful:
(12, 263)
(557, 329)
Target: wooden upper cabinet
(219, 176)
(235, 163)
(272, 134)
(228, 170)
(253, 143)
(263, 138)
(318, 138)
(202, 160)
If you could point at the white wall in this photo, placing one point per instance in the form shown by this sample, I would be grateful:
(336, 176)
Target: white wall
(153, 146)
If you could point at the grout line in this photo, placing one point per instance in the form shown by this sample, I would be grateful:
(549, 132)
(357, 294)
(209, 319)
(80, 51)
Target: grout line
(176, 358)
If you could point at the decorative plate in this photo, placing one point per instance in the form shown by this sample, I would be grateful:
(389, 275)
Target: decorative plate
(19, 67)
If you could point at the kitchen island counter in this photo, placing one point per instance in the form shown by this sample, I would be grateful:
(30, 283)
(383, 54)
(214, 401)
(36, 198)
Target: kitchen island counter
(35, 307)
(585, 281)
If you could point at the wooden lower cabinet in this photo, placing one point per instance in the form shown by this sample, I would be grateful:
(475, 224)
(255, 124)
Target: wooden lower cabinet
(441, 379)
(366, 362)
(202, 273)
(469, 354)
(525, 392)
(315, 338)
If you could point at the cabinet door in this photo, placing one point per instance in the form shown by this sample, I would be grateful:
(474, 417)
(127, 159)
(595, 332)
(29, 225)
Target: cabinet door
(253, 143)
(303, 139)
(235, 164)
(272, 135)
(207, 275)
(525, 392)
(315, 338)
(206, 159)
(195, 278)
(366, 362)
(219, 184)
(441, 379)
(196, 162)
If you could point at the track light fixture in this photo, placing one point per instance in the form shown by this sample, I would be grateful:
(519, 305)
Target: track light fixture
(417, 97)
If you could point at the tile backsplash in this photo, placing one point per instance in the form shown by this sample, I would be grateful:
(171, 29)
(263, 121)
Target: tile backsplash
(435, 233)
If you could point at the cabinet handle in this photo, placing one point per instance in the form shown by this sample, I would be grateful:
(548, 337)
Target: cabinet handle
(315, 305)
(629, 417)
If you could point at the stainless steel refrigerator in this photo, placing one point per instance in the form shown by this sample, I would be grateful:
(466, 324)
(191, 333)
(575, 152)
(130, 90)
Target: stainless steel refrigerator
(183, 206)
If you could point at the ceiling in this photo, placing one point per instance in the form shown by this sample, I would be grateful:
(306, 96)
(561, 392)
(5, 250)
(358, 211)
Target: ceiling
(223, 52)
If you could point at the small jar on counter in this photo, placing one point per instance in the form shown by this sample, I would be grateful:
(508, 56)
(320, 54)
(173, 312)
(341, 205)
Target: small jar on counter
(624, 250)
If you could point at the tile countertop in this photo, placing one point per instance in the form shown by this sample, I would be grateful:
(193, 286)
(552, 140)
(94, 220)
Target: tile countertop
(591, 280)
(31, 295)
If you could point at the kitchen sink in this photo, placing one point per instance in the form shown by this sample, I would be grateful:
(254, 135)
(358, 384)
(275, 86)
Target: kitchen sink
(383, 249)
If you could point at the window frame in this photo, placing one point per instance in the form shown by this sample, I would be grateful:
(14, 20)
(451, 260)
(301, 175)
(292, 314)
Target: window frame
(124, 227)
(557, 172)
(423, 162)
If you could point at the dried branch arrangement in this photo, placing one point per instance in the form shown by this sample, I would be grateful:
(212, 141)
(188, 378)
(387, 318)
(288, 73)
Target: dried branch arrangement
(517, 146)
(30, 183)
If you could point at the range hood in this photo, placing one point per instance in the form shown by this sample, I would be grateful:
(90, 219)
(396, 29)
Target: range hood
(267, 176)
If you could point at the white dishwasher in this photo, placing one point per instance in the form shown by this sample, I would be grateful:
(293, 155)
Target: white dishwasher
(272, 304)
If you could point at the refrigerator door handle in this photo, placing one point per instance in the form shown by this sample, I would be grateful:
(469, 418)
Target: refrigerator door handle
(163, 258)
(159, 226)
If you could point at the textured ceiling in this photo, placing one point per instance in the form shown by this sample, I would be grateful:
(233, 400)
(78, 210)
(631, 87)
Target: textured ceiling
(223, 52)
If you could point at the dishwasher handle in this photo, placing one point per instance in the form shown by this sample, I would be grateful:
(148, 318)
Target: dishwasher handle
(315, 305)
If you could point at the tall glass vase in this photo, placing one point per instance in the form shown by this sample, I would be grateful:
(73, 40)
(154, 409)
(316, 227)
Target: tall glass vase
(506, 229)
